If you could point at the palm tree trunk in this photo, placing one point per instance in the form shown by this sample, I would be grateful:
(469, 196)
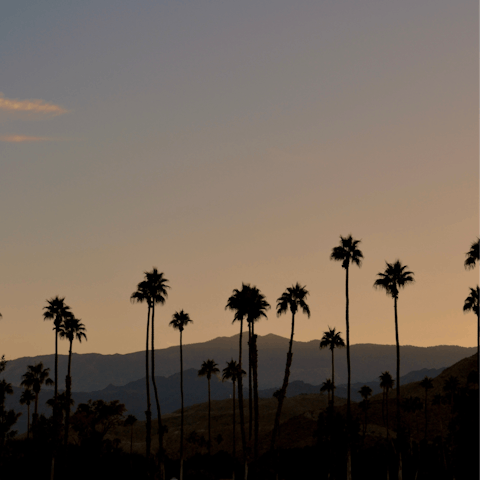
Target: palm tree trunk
(209, 431)
(148, 413)
(255, 394)
(383, 405)
(28, 420)
(131, 442)
(157, 402)
(398, 391)
(56, 364)
(234, 440)
(181, 420)
(283, 390)
(250, 396)
(68, 389)
(349, 448)
(426, 418)
(240, 398)
(386, 408)
(333, 382)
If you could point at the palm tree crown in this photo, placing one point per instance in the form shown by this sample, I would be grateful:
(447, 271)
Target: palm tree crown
(347, 252)
(180, 320)
(208, 368)
(472, 255)
(232, 371)
(56, 310)
(35, 377)
(471, 302)
(292, 299)
(72, 328)
(396, 276)
(331, 339)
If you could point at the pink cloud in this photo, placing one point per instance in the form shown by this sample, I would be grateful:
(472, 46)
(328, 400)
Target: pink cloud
(22, 139)
(38, 107)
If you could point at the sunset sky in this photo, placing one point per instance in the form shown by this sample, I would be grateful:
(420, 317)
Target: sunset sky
(229, 142)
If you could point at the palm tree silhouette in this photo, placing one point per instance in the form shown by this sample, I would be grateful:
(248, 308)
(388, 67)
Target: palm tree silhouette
(426, 384)
(332, 340)
(232, 372)
(179, 321)
(237, 303)
(130, 422)
(293, 299)
(472, 256)
(365, 392)
(386, 383)
(348, 253)
(394, 277)
(471, 305)
(450, 387)
(208, 369)
(157, 286)
(72, 328)
(328, 386)
(57, 311)
(142, 295)
(27, 398)
(33, 379)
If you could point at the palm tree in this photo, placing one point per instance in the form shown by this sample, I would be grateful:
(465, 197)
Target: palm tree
(237, 303)
(394, 277)
(208, 369)
(426, 384)
(130, 422)
(27, 398)
(179, 321)
(348, 253)
(450, 387)
(365, 392)
(33, 379)
(232, 372)
(72, 328)
(57, 311)
(386, 383)
(292, 299)
(472, 255)
(142, 295)
(471, 305)
(328, 386)
(332, 340)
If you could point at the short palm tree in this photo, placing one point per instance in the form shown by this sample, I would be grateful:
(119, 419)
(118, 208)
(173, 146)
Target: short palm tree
(34, 378)
(332, 340)
(57, 311)
(208, 368)
(395, 277)
(130, 422)
(386, 384)
(365, 392)
(27, 398)
(232, 372)
(328, 386)
(426, 384)
(179, 321)
(72, 328)
(472, 255)
(293, 299)
(471, 305)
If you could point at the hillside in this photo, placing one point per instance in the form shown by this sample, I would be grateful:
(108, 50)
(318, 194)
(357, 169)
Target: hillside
(94, 372)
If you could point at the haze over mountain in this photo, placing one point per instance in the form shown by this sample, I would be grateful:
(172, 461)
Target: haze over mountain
(93, 372)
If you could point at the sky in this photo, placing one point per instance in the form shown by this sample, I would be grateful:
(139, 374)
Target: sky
(229, 142)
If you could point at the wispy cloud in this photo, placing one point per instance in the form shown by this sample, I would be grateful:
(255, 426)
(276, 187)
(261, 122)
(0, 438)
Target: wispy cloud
(35, 107)
(23, 139)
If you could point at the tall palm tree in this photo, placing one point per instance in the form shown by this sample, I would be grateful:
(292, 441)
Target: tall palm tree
(426, 384)
(232, 372)
(208, 368)
(386, 383)
(72, 328)
(348, 253)
(395, 277)
(328, 386)
(237, 303)
(142, 295)
(27, 398)
(34, 378)
(293, 299)
(57, 311)
(471, 305)
(179, 321)
(332, 340)
(472, 255)
(365, 392)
